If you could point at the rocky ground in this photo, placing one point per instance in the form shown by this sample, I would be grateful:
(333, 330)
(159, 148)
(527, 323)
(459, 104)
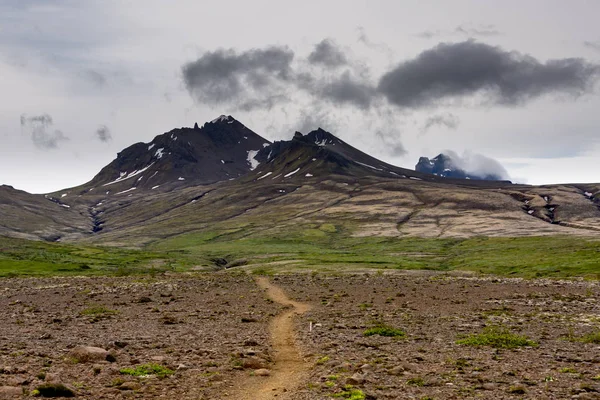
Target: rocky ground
(199, 336)
(435, 312)
(206, 329)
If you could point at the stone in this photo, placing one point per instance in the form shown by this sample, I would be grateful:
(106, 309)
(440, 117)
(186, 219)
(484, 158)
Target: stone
(10, 392)
(88, 353)
(356, 379)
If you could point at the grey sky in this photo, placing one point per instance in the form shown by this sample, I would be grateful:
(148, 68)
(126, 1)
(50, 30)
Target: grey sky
(514, 81)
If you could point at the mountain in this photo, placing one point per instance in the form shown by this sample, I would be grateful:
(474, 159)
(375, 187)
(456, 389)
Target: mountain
(320, 153)
(236, 184)
(221, 149)
(444, 166)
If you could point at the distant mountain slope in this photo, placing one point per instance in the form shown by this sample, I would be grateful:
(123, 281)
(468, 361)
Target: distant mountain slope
(33, 216)
(234, 184)
(443, 166)
(221, 149)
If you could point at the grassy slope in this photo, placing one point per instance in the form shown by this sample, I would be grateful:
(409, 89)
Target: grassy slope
(23, 257)
(320, 247)
(325, 249)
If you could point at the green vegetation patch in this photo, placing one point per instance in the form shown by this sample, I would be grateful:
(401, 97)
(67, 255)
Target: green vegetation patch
(383, 330)
(98, 311)
(593, 337)
(351, 394)
(497, 337)
(20, 257)
(147, 369)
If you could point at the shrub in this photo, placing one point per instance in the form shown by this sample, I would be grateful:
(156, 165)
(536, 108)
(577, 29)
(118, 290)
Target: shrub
(497, 337)
(383, 330)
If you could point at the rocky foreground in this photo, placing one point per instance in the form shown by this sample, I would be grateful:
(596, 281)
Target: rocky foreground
(202, 336)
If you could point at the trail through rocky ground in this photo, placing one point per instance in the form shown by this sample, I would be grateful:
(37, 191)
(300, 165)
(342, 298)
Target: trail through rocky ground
(289, 369)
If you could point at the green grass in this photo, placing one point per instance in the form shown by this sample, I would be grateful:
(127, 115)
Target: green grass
(384, 330)
(332, 249)
(98, 311)
(497, 337)
(593, 337)
(351, 394)
(147, 369)
(20, 257)
(528, 257)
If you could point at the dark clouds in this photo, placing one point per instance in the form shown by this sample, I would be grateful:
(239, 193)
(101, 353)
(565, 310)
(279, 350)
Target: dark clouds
(40, 129)
(327, 53)
(449, 120)
(348, 90)
(103, 134)
(452, 71)
(445, 74)
(223, 76)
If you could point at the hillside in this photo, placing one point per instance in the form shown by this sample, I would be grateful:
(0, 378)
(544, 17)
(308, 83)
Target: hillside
(223, 179)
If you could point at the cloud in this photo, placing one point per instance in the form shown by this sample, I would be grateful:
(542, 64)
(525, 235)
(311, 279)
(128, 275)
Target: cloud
(592, 45)
(477, 164)
(449, 120)
(477, 30)
(389, 138)
(310, 120)
(348, 90)
(39, 127)
(103, 134)
(327, 53)
(469, 30)
(451, 71)
(226, 76)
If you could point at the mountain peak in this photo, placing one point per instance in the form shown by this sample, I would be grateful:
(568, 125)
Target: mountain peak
(223, 118)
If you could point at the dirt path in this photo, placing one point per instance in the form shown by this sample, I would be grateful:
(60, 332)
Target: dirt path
(289, 369)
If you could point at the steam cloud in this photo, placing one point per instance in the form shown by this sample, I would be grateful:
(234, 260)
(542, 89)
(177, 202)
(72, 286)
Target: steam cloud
(477, 164)
(39, 127)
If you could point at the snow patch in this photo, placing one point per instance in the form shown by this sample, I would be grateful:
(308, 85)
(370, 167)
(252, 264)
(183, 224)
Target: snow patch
(292, 173)
(219, 118)
(124, 175)
(65, 206)
(63, 195)
(253, 163)
(181, 179)
(265, 144)
(415, 178)
(588, 194)
(530, 212)
(151, 146)
(369, 166)
(125, 191)
(154, 187)
(308, 175)
(159, 153)
(222, 162)
(264, 176)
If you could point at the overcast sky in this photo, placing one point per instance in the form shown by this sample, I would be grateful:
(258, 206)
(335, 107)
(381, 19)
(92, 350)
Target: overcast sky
(511, 84)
